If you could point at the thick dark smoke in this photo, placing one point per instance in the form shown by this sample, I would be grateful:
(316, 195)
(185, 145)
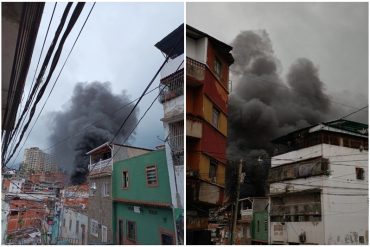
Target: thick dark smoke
(90, 103)
(263, 106)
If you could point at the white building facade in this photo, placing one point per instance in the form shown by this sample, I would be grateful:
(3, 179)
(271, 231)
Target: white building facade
(319, 185)
(172, 98)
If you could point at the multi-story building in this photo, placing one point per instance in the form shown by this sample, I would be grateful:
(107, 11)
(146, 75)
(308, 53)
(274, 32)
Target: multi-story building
(102, 159)
(172, 99)
(319, 185)
(207, 81)
(142, 204)
(36, 160)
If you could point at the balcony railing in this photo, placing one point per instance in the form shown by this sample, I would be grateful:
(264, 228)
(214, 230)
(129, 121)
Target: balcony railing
(172, 86)
(195, 69)
(98, 166)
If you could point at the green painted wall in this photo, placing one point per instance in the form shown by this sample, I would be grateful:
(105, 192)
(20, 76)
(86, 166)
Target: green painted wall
(151, 220)
(138, 189)
(148, 224)
(262, 233)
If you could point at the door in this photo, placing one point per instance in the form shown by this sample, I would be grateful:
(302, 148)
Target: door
(120, 232)
(83, 234)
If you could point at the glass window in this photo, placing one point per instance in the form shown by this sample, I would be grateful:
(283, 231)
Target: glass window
(213, 170)
(218, 66)
(94, 228)
(77, 226)
(125, 179)
(215, 117)
(360, 173)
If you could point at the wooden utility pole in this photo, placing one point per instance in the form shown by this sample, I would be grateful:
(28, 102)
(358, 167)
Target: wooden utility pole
(235, 217)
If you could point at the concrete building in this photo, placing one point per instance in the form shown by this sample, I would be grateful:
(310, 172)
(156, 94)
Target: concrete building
(36, 160)
(207, 82)
(319, 185)
(172, 99)
(102, 159)
(142, 204)
(73, 228)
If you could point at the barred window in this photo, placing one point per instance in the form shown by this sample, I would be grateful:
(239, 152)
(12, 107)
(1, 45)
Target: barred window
(151, 175)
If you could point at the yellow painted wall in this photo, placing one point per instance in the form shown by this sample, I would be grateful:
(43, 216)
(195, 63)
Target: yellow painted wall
(204, 166)
(207, 113)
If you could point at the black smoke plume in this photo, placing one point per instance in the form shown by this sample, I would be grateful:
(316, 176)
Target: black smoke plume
(90, 119)
(263, 105)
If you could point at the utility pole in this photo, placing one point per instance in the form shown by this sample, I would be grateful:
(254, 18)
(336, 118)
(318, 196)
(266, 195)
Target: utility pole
(235, 216)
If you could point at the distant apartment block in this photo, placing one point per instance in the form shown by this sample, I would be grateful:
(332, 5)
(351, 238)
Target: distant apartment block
(37, 160)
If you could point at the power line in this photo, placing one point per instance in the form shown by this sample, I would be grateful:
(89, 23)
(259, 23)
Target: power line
(55, 80)
(75, 15)
(354, 112)
(34, 76)
(41, 73)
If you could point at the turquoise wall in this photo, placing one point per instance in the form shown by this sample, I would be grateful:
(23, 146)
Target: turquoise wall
(260, 234)
(150, 221)
(148, 224)
(138, 189)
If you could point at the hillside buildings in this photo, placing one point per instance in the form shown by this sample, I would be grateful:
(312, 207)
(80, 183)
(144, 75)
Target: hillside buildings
(207, 74)
(319, 185)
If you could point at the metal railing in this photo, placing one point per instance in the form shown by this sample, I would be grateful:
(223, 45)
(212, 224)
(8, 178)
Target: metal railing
(195, 69)
(100, 164)
(172, 86)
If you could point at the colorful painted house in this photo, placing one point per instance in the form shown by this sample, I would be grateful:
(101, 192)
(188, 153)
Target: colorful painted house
(142, 208)
(207, 82)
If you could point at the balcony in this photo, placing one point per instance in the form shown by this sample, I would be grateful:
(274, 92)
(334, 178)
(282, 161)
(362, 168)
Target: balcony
(171, 86)
(101, 166)
(194, 128)
(195, 69)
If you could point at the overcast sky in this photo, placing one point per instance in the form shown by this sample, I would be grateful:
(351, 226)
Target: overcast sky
(332, 35)
(116, 45)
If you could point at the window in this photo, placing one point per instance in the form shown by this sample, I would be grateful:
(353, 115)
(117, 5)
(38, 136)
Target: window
(166, 239)
(266, 225)
(125, 179)
(215, 117)
(151, 175)
(92, 188)
(104, 234)
(77, 226)
(64, 222)
(131, 230)
(212, 170)
(70, 224)
(94, 228)
(258, 226)
(106, 189)
(218, 66)
(360, 173)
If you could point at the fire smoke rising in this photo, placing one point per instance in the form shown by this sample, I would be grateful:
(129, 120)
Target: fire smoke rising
(262, 106)
(90, 103)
